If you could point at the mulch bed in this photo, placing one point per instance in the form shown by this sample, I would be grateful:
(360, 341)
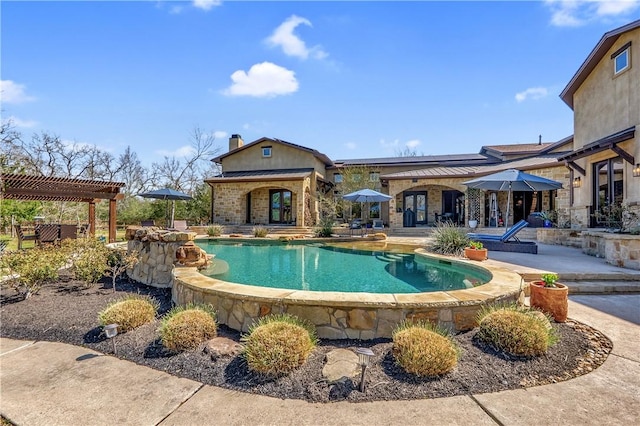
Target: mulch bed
(66, 311)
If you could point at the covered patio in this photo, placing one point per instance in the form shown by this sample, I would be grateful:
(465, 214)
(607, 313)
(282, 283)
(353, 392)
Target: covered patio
(47, 188)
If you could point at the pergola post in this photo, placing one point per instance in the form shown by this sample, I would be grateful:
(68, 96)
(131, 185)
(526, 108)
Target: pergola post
(112, 221)
(92, 218)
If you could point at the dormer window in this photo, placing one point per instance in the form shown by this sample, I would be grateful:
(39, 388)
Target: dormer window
(266, 151)
(622, 59)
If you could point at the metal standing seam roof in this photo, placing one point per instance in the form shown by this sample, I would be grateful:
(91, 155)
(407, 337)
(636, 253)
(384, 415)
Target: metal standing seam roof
(469, 171)
(257, 175)
(422, 159)
(48, 188)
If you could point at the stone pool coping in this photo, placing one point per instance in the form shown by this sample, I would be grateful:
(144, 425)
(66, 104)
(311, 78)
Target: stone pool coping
(341, 315)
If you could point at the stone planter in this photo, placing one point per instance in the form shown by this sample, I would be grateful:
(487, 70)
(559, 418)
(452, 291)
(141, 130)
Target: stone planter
(552, 300)
(476, 254)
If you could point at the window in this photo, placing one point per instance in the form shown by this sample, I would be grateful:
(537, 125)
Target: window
(622, 59)
(357, 177)
(374, 176)
(266, 151)
(337, 178)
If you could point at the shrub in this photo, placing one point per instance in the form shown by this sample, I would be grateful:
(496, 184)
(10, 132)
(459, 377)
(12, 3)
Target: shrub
(449, 239)
(476, 245)
(89, 259)
(129, 313)
(186, 327)
(516, 330)
(550, 280)
(214, 230)
(324, 229)
(31, 269)
(277, 344)
(260, 231)
(118, 261)
(424, 350)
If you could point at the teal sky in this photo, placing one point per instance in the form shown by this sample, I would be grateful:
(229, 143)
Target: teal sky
(351, 79)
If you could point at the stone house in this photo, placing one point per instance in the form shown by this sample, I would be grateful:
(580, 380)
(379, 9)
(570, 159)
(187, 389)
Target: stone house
(604, 95)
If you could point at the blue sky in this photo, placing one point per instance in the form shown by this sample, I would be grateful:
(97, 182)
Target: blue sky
(351, 79)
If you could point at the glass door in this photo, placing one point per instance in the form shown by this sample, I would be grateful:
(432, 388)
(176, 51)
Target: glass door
(415, 204)
(607, 191)
(280, 206)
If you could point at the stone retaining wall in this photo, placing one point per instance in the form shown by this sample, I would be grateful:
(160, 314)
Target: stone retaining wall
(338, 315)
(159, 251)
(559, 237)
(617, 249)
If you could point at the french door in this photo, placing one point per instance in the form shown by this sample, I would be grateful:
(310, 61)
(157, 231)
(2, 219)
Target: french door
(416, 202)
(280, 206)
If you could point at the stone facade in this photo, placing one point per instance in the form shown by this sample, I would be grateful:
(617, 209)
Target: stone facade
(230, 200)
(159, 252)
(559, 237)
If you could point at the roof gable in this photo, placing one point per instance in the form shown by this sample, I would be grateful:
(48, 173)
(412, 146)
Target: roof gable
(594, 58)
(320, 156)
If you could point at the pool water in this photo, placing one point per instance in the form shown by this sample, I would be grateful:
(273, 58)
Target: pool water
(324, 267)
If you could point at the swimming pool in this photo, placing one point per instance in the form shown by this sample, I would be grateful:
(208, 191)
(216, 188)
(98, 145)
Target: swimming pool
(331, 267)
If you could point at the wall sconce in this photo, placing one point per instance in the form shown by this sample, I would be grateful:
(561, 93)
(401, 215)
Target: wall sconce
(577, 182)
(111, 331)
(364, 356)
(636, 170)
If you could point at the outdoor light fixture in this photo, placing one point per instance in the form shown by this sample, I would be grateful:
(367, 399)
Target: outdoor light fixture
(577, 182)
(111, 331)
(364, 356)
(636, 170)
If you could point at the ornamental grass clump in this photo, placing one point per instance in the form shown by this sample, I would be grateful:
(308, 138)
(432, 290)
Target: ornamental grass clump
(278, 344)
(518, 331)
(214, 230)
(260, 231)
(449, 239)
(186, 327)
(129, 313)
(423, 349)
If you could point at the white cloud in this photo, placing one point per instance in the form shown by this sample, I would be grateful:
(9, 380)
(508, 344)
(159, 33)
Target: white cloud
(413, 143)
(573, 13)
(22, 123)
(291, 44)
(351, 146)
(263, 80)
(13, 93)
(206, 4)
(246, 126)
(183, 151)
(220, 134)
(389, 145)
(533, 93)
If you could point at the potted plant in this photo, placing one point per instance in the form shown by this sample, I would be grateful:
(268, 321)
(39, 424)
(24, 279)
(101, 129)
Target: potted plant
(550, 296)
(475, 251)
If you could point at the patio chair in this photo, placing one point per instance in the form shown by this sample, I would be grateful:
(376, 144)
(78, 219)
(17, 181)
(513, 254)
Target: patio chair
(148, 222)
(24, 237)
(355, 224)
(68, 231)
(48, 234)
(180, 225)
(377, 225)
(507, 241)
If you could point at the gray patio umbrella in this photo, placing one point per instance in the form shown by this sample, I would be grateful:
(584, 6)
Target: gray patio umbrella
(167, 194)
(367, 196)
(512, 180)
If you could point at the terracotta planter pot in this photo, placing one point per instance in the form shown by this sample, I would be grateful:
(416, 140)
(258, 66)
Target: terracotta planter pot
(475, 254)
(551, 300)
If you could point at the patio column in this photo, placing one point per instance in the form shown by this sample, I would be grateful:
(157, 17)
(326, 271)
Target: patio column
(92, 218)
(112, 221)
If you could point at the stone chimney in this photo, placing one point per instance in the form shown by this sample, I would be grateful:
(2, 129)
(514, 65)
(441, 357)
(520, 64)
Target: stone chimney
(235, 142)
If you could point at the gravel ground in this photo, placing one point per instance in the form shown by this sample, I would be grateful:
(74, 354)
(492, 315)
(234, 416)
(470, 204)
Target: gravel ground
(66, 311)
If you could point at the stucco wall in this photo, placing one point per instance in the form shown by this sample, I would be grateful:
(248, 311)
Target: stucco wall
(282, 157)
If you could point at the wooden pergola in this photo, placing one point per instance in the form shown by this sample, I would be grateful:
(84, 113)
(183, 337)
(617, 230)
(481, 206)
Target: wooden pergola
(45, 188)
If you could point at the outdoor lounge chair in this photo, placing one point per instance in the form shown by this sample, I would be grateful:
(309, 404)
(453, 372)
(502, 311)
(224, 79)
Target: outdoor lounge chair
(148, 222)
(507, 241)
(180, 225)
(377, 226)
(48, 234)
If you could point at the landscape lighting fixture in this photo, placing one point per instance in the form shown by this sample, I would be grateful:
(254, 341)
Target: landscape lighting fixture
(364, 356)
(111, 331)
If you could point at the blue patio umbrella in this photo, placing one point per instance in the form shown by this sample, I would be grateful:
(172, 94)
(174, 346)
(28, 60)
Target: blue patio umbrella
(167, 194)
(512, 180)
(367, 196)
